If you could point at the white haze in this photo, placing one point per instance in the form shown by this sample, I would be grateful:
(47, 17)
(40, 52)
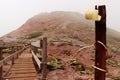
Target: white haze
(14, 13)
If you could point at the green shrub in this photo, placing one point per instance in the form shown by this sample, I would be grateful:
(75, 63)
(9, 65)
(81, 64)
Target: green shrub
(7, 50)
(114, 48)
(74, 62)
(54, 64)
(34, 35)
(113, 62)
(117, 78)
(80, 67)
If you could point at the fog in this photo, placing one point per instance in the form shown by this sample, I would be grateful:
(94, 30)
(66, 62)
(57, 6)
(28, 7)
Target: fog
(14, 13)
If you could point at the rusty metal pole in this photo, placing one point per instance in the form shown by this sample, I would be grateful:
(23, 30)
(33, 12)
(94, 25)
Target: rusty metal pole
(1, 66)
(100, 52)
(44, 59)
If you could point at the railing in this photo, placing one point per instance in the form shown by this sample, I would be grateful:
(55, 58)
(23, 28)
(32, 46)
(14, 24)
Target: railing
(36, 59)
(10, 57)
(42, 50)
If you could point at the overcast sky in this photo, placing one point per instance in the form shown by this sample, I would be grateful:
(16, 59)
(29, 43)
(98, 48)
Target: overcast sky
(14, 13)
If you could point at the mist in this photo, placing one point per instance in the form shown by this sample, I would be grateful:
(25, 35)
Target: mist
(14, 13)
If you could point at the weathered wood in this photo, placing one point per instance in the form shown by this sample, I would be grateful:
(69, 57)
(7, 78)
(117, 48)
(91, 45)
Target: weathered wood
(22, 75)
(10, 57)
(100, 52)
(41, 43)
(17, 56)
(28, 78)
(0, 66)
(12, 53)
(38, 62)
(13, 60)
(22, 71)
(23, 68)
(44, 59)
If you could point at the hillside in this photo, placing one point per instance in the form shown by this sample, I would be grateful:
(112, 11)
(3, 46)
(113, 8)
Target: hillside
(65, 25)
(67, 32)
(54, 21)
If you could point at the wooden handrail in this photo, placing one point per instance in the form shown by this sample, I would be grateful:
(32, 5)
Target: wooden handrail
(10, 57)
(36, 44)
(36, 59)
(40, 46)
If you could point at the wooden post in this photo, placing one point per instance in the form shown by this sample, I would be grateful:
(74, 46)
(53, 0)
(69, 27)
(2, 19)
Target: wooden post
(100, 52)
(12, 53)
(41, 43)
(35, 49)
(17, 55)
(44, 59)
(1, 66)
(12, 60)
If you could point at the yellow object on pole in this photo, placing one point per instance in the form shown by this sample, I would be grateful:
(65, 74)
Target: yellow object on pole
(92, 14)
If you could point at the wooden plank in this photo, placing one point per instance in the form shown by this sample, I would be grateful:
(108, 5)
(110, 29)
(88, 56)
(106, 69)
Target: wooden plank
(28, 78)
(24, 65)
(23, 69)
(21, 75)
(23, 62)
(37, 60)
(44, 60)
(24, 59)
(100, 52)
(10, 57)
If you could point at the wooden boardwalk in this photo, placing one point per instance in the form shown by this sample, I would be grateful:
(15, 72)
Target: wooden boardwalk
(23, 68)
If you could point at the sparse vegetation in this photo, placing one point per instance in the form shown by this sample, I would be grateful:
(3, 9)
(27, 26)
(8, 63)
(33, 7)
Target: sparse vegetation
(66, 30)
(54, 64)
(34, 35)
(64, 41)
(114, 48)
(117, 78)
(87, 72)
(75, 63)
(7, 50)
(113, 62)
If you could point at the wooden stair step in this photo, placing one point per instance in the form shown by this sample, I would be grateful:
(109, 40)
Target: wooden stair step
(23, 62)
(13, 69)
(23, 71)
(28, 78)
(22, 66)
(21, 75)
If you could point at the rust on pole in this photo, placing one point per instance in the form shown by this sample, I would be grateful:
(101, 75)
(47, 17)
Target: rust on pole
(1, 66)
(44, 59)
(100, 52)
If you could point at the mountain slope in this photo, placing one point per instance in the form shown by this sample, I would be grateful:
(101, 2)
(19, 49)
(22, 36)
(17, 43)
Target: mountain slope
(51, 20)
(63, 25)
(67, 32)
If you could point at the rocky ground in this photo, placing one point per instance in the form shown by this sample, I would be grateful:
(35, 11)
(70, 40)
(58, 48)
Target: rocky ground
(72, 59)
